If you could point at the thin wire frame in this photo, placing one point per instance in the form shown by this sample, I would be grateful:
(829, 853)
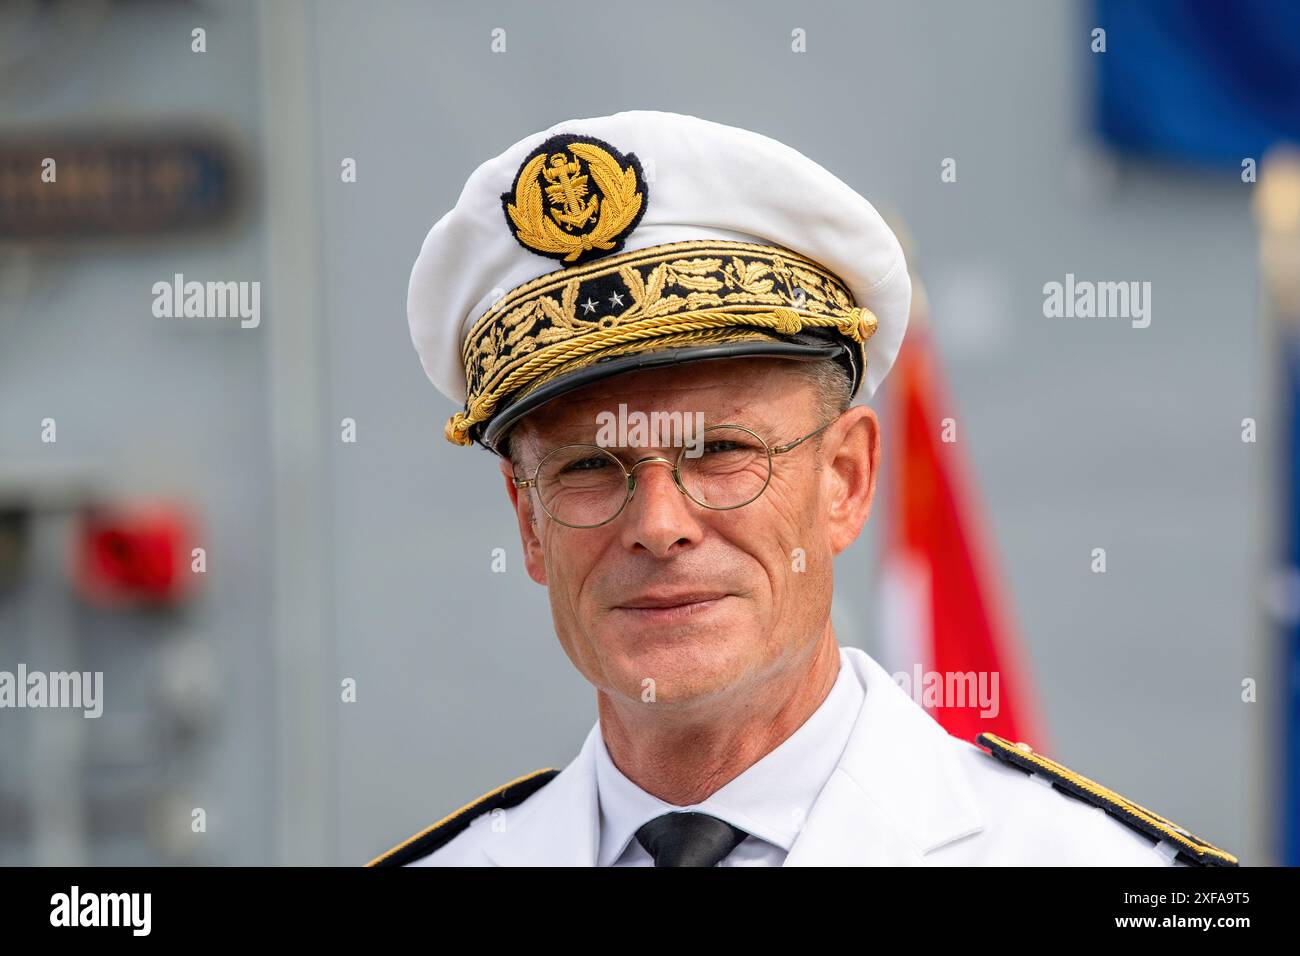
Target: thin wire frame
(630, 473)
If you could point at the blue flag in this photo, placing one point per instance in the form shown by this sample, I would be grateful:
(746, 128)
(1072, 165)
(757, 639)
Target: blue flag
(1199, 81)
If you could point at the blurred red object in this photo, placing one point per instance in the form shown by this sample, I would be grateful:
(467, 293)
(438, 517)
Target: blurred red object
(941, 565)
(134, 555)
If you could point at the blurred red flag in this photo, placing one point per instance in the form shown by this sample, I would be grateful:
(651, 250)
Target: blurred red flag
(946, 618)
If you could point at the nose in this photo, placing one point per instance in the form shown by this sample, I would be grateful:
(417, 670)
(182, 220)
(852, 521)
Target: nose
(659, 518)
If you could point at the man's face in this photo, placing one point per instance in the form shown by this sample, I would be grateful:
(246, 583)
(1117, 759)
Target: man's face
(703, 603)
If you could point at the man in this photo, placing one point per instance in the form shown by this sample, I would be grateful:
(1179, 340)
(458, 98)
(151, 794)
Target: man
(666, 366)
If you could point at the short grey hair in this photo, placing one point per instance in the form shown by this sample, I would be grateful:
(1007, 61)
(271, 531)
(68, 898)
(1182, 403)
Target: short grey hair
(831, 383)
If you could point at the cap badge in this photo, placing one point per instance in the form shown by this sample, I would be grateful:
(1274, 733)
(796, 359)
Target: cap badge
(576, 198)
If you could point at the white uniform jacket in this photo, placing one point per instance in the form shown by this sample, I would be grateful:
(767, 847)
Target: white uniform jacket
(905, 793)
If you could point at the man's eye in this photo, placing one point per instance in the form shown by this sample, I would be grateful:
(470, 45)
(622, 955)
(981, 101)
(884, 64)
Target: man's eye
(723, 445)
(587, 464)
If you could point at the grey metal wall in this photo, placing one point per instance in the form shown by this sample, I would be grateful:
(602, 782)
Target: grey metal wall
(143, 406)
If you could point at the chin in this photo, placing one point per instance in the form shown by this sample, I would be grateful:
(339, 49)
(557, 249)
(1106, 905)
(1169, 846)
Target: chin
(686, 664)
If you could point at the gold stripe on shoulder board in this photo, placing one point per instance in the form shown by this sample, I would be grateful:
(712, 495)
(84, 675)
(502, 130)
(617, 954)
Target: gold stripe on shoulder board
(458, 813)
(1022, 756)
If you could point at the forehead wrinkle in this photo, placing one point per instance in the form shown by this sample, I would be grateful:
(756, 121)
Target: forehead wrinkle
(572, 418)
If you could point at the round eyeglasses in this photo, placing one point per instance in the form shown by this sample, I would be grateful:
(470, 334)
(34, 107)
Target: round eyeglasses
(586, 486)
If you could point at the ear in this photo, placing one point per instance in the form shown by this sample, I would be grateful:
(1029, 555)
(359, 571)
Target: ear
(522, 502)
(853, 458)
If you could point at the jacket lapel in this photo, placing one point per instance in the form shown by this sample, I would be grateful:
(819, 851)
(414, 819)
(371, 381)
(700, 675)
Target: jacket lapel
(898, 792)
(558, 825)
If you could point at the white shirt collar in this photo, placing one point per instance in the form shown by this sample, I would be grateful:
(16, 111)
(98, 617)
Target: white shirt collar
(769, 800)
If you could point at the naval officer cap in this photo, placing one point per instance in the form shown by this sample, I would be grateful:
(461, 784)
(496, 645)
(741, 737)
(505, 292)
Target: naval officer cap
(639, 240)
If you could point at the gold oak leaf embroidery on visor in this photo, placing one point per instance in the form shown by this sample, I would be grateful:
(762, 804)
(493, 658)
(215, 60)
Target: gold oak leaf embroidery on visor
(659, 293)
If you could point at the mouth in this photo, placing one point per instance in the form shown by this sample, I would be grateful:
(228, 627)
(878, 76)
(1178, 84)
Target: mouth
(670, 607)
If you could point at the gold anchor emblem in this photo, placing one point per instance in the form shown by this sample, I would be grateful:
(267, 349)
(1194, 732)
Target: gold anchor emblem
(594, 196)
(569, 187)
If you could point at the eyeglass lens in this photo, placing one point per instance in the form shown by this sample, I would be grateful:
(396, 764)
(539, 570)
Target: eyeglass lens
(586, 485)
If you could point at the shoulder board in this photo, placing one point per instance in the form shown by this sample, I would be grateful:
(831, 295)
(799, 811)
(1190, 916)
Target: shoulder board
(435, 837)
(1191, 849)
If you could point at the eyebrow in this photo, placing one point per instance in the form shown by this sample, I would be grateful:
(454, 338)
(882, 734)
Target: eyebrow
(582, 433)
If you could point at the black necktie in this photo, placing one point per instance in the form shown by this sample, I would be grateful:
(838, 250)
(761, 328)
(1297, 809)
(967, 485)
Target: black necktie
(687, 838)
